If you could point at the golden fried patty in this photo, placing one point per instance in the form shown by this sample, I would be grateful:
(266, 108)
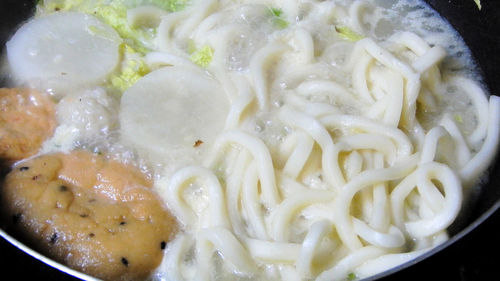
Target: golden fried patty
(95, 215)
(27, 118)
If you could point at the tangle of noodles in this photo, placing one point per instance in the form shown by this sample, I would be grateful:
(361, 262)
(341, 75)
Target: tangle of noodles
(346, 147)
(354, 183)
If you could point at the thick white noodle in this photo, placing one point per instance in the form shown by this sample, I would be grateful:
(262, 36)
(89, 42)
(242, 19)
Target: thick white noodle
(273, 251)
(442, 218)
(480, 102)
(222, 240)
(297, 159)
(234, 184)
(282, 215)
(403, 143)
(259, 65)
(180, 180)
(462, 151)
(173, 262)
(478, 164)
(250, 202)
(347, 264)
(319, 133)
(343, 220)
(260, 153)
(380, 214)
(312, 241)
(305, 46)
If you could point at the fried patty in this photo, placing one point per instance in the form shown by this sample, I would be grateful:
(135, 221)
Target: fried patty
(96, 215)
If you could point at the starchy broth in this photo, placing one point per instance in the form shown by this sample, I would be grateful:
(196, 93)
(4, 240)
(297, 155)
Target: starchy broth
(291, 140)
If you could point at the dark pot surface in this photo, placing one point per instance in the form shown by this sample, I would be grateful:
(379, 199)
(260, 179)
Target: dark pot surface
(471, 254)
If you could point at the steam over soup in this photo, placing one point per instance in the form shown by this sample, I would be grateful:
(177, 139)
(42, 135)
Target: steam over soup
(291, 140)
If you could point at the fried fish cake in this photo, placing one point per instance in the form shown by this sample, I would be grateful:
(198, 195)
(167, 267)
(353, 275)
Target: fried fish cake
(96, 215)
(27, 118)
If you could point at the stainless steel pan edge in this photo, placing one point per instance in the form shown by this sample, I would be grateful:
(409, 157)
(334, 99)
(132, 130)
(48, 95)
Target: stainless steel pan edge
(44, 259)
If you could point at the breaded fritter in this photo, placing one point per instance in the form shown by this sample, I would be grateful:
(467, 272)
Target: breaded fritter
(96, 215)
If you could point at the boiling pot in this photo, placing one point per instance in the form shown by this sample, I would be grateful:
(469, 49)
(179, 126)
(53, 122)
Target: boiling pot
(471, 252)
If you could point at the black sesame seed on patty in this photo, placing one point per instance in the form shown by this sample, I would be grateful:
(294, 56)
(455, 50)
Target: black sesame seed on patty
(22, 169)
(163, 245)
(53, 238)
(124, 261)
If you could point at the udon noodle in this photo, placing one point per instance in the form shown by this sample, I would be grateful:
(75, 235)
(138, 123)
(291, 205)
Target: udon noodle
(294, 140)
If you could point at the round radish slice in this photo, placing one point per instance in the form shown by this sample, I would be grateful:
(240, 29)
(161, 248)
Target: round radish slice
(173, 114)
(66, 48)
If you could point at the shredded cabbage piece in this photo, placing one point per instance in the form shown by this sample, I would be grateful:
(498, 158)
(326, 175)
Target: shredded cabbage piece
(277, 19)
(133, 68)
(348, 34)
(478, 4)
(115, 15)
(176, 5)
(203, 57)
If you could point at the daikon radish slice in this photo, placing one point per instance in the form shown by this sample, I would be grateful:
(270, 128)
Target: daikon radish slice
(65, 48)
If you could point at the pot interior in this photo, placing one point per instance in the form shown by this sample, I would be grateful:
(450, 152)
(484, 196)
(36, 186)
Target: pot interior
(481, 32)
